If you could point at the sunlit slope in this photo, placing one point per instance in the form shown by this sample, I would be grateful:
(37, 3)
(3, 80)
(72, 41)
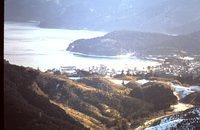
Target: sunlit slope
(104, 105)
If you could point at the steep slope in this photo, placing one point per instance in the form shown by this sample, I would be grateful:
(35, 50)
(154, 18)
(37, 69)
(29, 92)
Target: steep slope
(27, 107)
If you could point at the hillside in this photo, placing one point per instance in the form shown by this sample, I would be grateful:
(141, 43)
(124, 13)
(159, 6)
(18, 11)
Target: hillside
(38, 100)
(122, 42)
(28, 107)
(166, 16)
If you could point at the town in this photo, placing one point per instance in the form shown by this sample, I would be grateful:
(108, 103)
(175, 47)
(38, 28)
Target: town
(170, 67)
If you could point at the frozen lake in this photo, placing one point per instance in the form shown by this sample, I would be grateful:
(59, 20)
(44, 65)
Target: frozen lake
(28, 45)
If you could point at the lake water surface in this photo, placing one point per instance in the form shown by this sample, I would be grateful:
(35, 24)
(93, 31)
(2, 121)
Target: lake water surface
(28, 45)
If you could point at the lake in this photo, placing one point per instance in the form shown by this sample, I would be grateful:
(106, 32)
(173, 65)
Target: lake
(28, 45)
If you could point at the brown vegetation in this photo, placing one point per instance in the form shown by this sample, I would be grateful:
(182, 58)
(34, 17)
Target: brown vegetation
(94, 102)
(27, 107)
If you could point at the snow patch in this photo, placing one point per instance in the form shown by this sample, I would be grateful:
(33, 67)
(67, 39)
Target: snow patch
(181, 90)
(187, 58)
(142, 81)
(165, 125)
(118, 82)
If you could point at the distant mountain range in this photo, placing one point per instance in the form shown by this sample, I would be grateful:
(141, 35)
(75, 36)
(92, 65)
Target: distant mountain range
(166, 16)
(123, 42)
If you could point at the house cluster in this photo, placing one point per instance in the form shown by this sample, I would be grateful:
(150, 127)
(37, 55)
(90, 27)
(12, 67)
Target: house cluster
(178, 66)
(170, 66)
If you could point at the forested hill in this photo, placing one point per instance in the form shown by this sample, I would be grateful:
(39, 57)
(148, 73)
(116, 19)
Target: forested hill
(122, 42)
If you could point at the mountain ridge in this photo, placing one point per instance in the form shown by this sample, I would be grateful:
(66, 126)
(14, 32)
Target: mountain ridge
(163, 16)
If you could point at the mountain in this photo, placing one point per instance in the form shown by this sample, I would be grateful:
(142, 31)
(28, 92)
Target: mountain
(192, 26)
(122, 42)
(166, 16)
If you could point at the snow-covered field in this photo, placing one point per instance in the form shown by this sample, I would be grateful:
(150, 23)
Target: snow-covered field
(184, 91)
(165, 125)
(142, 81)
(118, 82)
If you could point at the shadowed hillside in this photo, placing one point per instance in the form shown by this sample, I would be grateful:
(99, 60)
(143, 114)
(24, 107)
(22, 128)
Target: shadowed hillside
(27, 106)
